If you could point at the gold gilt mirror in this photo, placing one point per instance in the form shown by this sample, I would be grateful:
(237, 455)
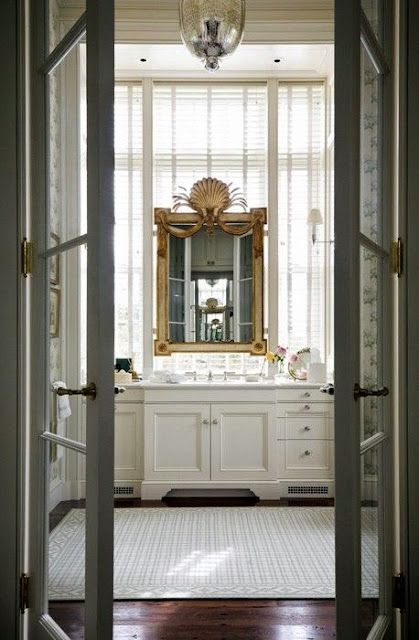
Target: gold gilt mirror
(209, 272)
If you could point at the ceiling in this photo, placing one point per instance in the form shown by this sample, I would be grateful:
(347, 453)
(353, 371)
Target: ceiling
(250, 60)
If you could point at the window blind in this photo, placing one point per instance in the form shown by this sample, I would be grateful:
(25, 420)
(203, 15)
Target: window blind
(128, 223)
(217, 130)
(301, 147)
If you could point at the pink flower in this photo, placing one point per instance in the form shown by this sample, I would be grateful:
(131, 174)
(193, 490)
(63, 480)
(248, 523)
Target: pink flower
(293, 358)
(281, 351)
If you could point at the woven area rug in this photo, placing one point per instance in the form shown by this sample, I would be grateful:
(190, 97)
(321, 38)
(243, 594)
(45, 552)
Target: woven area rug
(213, 552)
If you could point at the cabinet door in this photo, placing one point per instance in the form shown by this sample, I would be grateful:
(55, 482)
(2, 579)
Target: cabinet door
(243, 442)
(177, 442)
(128, 442)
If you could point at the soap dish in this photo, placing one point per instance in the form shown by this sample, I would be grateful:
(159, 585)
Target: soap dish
(252, 378)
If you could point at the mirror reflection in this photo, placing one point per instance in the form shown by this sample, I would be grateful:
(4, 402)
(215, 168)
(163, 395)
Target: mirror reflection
(211, 287)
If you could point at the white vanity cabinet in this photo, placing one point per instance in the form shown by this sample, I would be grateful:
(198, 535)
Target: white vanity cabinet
(274, 439)
(209, 435)
(231, 441)
(305, 442)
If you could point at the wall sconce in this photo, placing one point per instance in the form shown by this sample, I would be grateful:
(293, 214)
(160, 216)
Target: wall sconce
(211, 29)
(313, 220)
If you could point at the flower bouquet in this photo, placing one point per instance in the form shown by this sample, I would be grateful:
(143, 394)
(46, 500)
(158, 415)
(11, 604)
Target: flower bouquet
(276, 358)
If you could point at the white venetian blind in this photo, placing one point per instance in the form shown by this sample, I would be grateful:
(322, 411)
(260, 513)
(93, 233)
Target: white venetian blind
(128, 223)
(217, 130)
(301, 146)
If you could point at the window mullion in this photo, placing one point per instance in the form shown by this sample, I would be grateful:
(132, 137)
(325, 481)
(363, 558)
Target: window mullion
(271, 313)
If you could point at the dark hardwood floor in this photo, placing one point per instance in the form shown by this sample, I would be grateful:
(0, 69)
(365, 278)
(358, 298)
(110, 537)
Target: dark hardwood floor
(208, 619)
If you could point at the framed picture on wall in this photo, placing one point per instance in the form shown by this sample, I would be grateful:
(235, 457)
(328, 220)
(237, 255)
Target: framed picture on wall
(54, 262)
(54, 312)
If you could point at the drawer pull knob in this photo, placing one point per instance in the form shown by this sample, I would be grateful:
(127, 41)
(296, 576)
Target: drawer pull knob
(215, 421)
(307, 453)
(307, 394)
(307, 406)
(206, 421)
(307, 428)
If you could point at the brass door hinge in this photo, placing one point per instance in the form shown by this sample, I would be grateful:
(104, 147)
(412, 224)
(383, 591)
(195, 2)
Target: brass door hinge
(24, 592)
(397, 257)
(399, 591)
(27, 258)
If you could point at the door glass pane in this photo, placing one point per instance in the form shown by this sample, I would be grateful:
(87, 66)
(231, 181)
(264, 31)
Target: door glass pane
(129, 273)
(62, 14)
(67, 346)
(371, 134)
(371, 341)
(373, 10)
(371, 535)
(66, 91)
(66, 522)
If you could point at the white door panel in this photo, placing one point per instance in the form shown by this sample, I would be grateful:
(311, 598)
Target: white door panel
(363, 350)
(73, 452)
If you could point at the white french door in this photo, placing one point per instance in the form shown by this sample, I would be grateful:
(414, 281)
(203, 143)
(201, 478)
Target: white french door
(363, 347)
(72, 391)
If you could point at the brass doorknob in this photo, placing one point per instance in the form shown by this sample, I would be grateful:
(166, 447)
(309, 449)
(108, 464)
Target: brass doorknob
(360, 392)
(89, 391)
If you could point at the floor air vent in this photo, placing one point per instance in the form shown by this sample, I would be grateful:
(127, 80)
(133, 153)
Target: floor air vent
(297, 490)
(123, 491)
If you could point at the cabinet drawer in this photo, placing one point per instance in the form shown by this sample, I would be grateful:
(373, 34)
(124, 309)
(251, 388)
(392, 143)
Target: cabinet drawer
(315, 456)
(296, 409)
(305, 427)
(303, 394)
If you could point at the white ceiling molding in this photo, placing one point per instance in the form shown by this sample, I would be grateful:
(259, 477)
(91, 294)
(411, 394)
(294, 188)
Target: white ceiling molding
(267, 21)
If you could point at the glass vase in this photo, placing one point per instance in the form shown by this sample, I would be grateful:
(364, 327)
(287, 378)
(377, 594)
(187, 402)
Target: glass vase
(281, 368)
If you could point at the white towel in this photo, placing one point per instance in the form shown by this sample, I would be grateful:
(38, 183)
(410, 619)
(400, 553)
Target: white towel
(63, 402)
(170, 377)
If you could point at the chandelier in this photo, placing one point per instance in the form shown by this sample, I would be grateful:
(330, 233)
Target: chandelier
(211, 29)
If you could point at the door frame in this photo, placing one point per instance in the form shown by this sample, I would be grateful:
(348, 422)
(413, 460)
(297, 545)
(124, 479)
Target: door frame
(410, 312)
(12, 455)
(13, 292)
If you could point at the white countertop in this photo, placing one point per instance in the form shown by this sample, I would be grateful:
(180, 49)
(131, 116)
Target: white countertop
(287, 383)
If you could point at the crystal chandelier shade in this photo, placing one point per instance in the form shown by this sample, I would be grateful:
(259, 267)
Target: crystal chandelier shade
(211, 29)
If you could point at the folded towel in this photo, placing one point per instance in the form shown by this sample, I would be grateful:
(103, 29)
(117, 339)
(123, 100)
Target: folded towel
(122, 377)
(63, 409)
(170, 377)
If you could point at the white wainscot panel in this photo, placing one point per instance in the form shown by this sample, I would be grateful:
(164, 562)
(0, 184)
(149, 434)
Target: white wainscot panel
(128, 442)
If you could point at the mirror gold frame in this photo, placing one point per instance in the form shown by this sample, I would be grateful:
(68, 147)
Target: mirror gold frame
(234, 223)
